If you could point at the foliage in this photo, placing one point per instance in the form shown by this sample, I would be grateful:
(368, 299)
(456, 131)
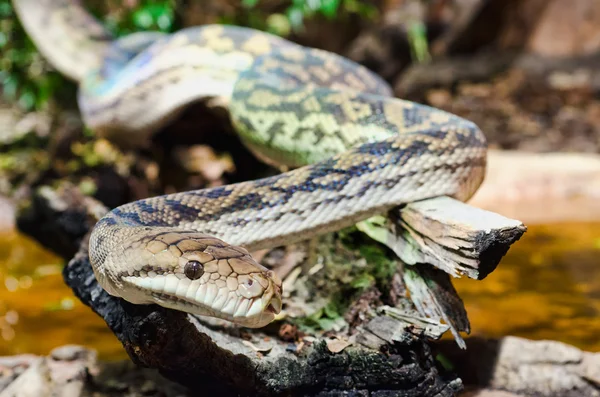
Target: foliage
(295, 12)
(417, 39)
(26, 79)
(123, 18)
(30, 83)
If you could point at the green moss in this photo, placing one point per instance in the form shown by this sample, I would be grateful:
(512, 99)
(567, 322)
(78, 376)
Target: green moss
(352, 264)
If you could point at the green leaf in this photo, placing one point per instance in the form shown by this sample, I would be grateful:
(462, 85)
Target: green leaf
(316, 315)
(417, 38)
(142, 18)
(278, 24)
(298, 4)
(164, 22)
(445, 362)
(45, 90)
(153, 16)
(329, 8)
(5, 9)
(375, 228)
(10, 86)
(88, 187)
(326, 323)
(249, 3)
(363, 281)
(331, 310)
(27, 99)
(373, 254)
(296, 17)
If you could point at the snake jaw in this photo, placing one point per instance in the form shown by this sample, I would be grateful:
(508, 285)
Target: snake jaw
(208, 296)
(270, 305)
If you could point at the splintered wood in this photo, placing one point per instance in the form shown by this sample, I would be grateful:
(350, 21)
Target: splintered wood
(436, 239)
(452, 236)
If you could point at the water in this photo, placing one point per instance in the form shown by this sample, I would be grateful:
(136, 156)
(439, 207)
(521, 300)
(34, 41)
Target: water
(38, 311)
(547, 287)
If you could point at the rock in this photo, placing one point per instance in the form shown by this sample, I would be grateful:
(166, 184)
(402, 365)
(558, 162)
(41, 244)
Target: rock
(488, 393)
(33, 382)
(69, 353)
(7, 215)
(522, 366)
(73, 371)
(12, 367)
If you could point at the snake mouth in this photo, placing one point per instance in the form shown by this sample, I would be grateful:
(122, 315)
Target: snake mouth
(206, 299)
(274, 305)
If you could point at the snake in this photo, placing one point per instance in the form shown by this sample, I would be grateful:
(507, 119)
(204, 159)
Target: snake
(353, 151)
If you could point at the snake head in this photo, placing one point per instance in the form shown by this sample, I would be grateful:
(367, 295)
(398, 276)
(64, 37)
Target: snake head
(205, 276)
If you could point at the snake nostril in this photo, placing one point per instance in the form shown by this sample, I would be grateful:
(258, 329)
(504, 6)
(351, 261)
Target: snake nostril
(193, 270)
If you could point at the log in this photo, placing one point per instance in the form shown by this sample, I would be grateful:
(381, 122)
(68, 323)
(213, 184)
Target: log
(215, 358)
(230, 361)
(388, 354)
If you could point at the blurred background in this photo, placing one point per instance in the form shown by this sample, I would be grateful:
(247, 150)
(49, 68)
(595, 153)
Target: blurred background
(526, 71)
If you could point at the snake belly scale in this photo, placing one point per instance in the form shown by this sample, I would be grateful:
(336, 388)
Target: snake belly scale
(356, 152)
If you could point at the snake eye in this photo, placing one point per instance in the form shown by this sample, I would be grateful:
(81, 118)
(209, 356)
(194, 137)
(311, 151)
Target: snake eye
(193, 270)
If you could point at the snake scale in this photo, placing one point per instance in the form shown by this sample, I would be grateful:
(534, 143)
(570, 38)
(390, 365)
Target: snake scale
(355, 151)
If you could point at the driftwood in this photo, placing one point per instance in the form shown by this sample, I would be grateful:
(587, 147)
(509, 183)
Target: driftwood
(386, 355)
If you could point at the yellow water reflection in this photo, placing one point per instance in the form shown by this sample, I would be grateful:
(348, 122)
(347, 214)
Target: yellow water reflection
(37, 310)
(548, 286)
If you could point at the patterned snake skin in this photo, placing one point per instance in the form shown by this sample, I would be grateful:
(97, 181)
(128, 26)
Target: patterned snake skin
(360, 153)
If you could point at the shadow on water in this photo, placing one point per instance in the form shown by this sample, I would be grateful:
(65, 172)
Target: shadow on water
(547, 287)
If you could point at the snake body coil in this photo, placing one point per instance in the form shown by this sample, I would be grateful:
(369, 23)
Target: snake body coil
(360, 152)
